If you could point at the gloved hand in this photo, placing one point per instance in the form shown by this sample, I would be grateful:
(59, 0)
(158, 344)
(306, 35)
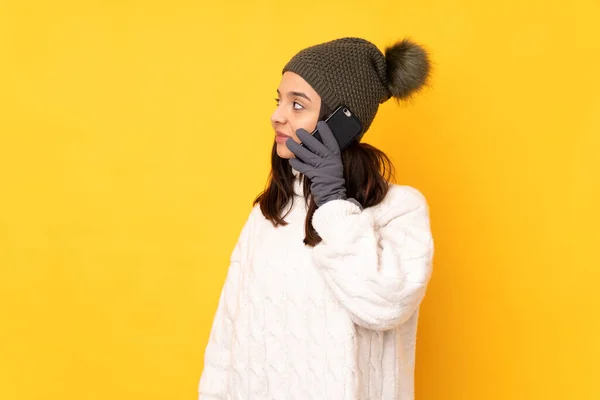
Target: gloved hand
(322, 163)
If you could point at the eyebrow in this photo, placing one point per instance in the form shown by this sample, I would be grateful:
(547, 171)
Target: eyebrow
(298, 94)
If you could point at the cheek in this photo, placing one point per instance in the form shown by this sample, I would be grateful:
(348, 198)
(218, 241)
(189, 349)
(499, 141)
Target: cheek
(307, 122)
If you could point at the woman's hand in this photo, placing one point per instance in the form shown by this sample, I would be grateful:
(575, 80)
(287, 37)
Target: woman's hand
(321, 162)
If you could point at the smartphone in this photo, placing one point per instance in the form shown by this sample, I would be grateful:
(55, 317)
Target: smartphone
(344, 126)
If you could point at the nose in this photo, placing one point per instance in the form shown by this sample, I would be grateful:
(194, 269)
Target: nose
(278, 116)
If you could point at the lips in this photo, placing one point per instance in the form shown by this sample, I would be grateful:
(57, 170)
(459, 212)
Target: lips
(281, 137)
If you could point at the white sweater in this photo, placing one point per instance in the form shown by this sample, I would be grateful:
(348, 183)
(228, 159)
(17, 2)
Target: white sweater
(337, 321)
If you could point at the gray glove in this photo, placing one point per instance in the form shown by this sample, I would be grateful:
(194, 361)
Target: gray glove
(322, 163)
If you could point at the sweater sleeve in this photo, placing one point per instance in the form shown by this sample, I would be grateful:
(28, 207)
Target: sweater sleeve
(378, 270)
(213, 382)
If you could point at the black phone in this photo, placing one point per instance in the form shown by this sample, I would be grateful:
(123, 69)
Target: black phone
(344, 126)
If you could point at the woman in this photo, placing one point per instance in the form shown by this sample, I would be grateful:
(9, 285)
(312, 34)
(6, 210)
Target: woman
(322, 295)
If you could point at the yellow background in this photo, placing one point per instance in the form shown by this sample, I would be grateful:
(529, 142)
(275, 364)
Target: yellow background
(135, 134)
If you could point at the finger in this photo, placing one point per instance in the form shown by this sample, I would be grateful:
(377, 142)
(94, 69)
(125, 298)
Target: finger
(299, 166)
(329, 139)
(302, 152)
(313, 143)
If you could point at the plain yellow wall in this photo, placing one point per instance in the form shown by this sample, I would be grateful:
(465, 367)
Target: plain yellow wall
(134, 136)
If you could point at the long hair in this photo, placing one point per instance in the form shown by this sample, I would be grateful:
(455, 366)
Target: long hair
(367, 172)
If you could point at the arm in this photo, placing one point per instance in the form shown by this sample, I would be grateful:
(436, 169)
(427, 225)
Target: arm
(213, 382)
(378, 270)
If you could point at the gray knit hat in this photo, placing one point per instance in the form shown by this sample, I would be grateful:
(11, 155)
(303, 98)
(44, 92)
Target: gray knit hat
(355, 73)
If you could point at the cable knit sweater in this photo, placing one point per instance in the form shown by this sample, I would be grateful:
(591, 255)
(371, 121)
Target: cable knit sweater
(337, 321)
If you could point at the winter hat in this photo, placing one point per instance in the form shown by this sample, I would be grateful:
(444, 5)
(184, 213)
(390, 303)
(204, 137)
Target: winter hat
(354, 72)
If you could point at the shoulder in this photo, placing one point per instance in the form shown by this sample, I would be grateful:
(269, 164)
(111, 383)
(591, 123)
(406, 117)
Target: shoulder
(401, 200)
(255, 211)
(255, 215)
(250, 222)
(404, 196)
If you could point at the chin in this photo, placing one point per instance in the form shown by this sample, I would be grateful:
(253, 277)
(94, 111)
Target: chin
(284, 152)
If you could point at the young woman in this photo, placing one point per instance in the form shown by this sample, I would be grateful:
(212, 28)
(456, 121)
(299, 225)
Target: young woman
(322, 295)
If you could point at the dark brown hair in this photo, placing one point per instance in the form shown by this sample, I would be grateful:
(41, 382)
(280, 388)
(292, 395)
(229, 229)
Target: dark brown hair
(367, 171)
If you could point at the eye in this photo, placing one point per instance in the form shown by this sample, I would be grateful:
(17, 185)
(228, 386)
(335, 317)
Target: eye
(298, 106)
(276, 101)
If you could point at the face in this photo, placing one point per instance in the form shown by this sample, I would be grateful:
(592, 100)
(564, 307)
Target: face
(298, 106)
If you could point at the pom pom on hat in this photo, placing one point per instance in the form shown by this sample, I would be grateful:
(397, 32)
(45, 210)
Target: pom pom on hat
(408, 68)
